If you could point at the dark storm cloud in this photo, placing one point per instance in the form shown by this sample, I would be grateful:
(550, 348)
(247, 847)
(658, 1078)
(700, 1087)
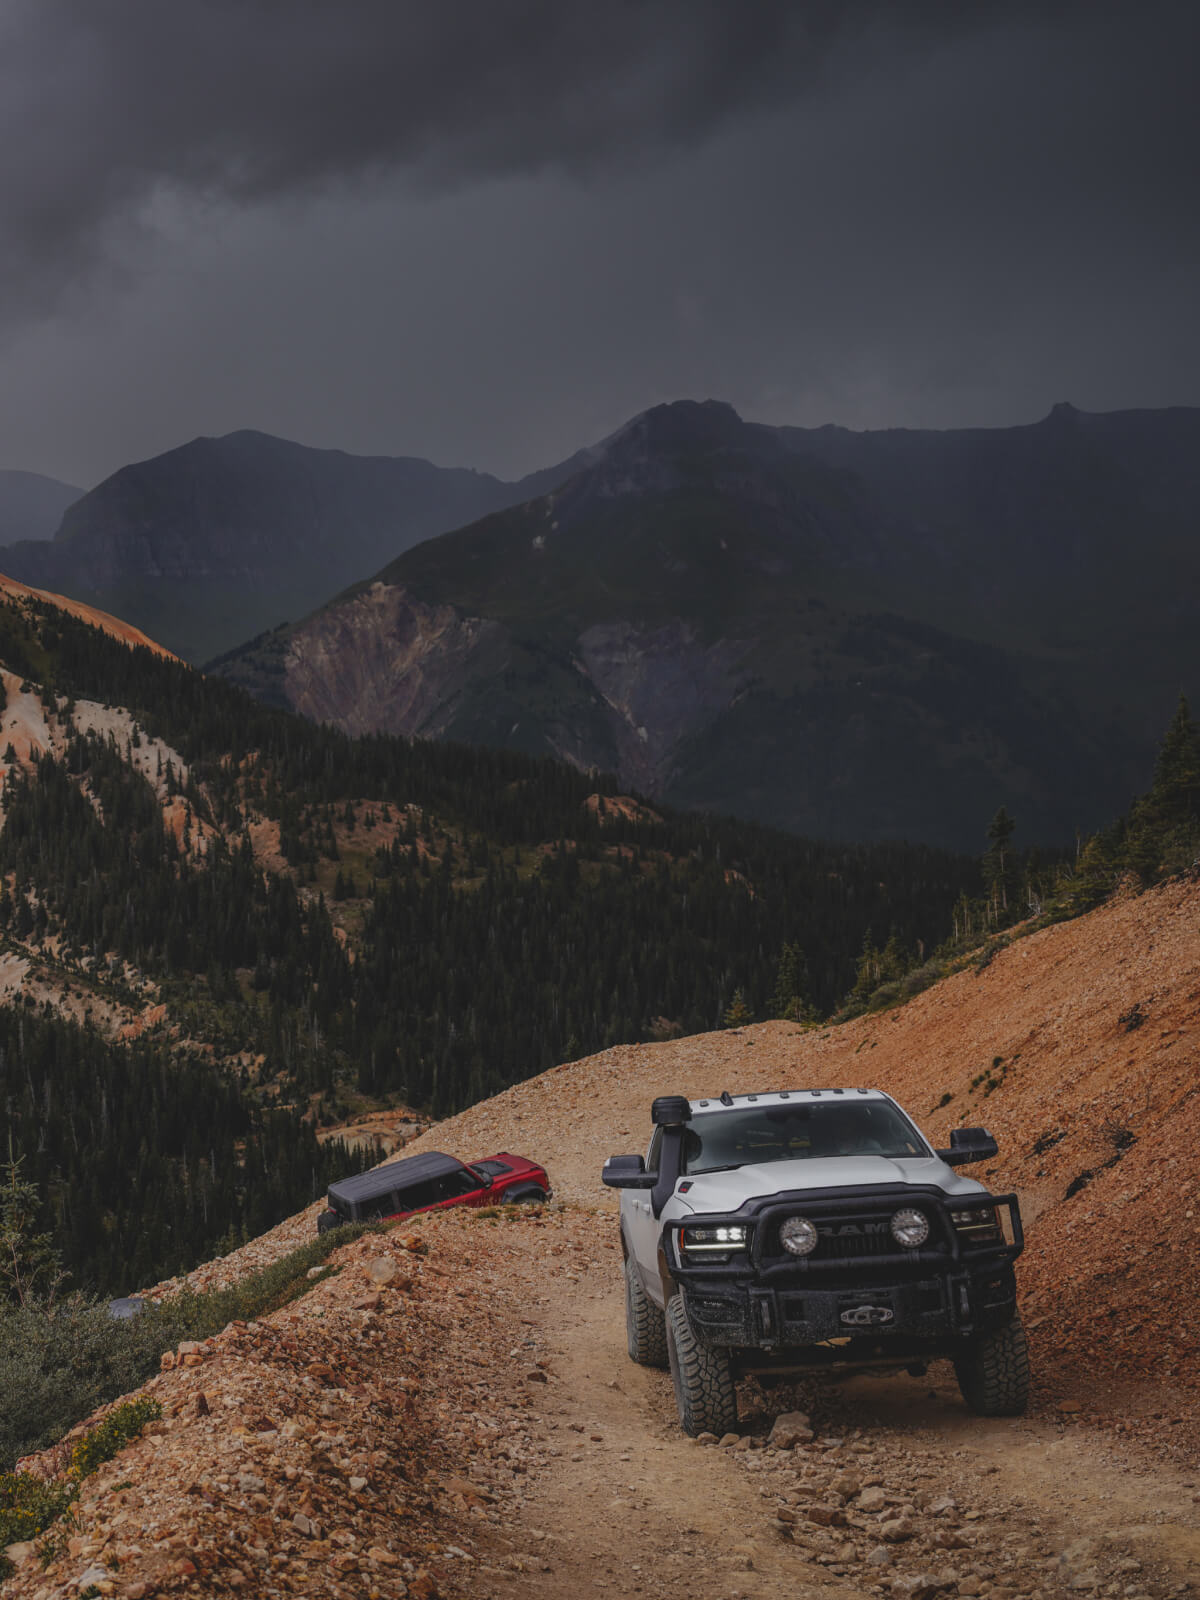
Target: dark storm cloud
(109, 101)
(491, 233)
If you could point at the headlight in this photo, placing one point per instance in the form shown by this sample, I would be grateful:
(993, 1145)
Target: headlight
(978, 1225)
(798, 1235)
(910, 1228)
(724, 1236)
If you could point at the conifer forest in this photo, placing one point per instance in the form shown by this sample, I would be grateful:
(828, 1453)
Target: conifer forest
(315, 924)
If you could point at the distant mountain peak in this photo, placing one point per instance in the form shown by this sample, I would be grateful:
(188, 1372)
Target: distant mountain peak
(679, 421)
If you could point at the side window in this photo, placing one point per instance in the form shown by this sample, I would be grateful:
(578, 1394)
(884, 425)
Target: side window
(455, 1184)
(654, 1151)
(452, 1185)
(415, 1197)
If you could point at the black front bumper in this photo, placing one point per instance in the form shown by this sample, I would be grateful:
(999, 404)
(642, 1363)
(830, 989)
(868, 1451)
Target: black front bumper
(892, 1303)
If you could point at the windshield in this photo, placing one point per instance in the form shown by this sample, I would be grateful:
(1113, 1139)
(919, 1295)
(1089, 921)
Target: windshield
(489, 1169)
(799, 1132)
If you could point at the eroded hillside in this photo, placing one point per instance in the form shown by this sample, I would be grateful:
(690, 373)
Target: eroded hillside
(1077, 1047)
(453, 1413)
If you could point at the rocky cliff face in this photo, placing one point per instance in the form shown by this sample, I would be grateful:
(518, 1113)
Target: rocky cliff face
(661, 686)
(384, 662)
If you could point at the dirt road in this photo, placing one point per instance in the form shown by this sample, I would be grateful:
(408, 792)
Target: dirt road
(614, 1499)
(450, 1414)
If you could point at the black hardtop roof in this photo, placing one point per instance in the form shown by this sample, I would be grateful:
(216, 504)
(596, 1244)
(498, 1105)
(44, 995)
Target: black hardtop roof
(396, 1175)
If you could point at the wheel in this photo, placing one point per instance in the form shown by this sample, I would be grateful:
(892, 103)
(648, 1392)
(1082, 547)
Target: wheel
(645, 1325)
(993, 1373)
(703, 1378)
(327, 1220)
(525, 1197)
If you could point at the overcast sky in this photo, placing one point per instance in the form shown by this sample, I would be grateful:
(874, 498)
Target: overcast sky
(489, 231)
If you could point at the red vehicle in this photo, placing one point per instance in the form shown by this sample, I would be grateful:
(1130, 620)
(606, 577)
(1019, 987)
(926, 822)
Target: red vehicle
(431, 1182)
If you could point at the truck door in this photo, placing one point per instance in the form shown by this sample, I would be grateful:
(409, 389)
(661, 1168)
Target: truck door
(642, 1228)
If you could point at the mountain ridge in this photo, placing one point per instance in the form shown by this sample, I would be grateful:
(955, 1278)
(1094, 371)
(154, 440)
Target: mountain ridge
(208, 543)
(32, 505)
(856, 601)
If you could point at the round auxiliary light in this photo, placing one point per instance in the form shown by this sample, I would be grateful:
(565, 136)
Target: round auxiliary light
(910, 1228)
(798, 1236)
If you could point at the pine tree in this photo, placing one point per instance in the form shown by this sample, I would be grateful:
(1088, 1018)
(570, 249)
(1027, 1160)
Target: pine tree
(1164, 825)
(1176, 788)
(29, 1263)
(737, 1012)
(998, 865)
(869, 969)
(790, 1001)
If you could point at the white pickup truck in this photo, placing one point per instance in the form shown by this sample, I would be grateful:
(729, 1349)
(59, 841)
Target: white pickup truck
(785, 1232)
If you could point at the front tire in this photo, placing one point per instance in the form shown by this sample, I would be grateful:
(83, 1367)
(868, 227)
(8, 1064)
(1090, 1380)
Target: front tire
(645, 1325)
(993, 1373)
(703, 1378)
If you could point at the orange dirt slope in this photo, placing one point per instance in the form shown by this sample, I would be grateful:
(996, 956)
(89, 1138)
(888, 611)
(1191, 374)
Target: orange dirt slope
(1110, 1278)
(11, 589)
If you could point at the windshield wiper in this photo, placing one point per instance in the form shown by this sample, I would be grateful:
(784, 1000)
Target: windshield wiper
(702, 1172)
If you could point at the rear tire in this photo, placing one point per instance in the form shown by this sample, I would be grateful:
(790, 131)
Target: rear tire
(993, 1373)
(703, 1378)
(645, 1324)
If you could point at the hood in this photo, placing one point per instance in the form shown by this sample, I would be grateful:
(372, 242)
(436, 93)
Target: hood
(727, 1191)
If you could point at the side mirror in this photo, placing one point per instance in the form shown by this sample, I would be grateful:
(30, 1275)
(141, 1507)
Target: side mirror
(627, 1172)
(967, 1145)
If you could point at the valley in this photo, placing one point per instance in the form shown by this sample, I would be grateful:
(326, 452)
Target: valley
(299, 925)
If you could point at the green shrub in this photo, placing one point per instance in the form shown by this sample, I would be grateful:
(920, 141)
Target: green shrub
(29, 1504)
(60, 1361)
(111, 1436)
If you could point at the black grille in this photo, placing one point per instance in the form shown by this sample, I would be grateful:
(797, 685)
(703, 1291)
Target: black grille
(840, 1241)
(836, 1246)
(854, 1238)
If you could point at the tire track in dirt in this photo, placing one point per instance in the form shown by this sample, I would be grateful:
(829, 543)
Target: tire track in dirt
(621, 1503)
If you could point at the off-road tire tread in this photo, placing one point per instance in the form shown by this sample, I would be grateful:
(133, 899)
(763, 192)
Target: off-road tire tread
(994, 1376)
(645, 1324)
(703, 1378)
